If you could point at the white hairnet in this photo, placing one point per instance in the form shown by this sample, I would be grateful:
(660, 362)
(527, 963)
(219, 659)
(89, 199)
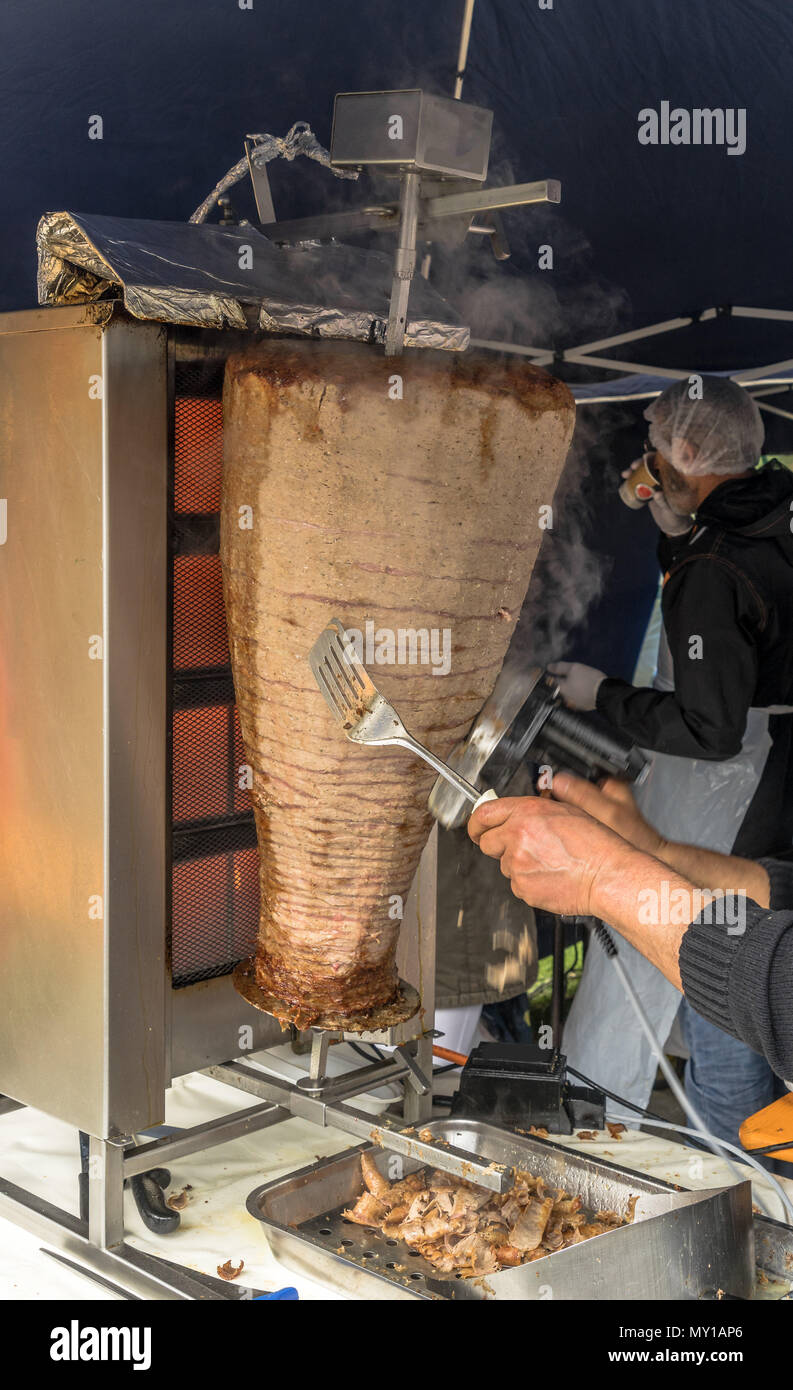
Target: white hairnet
(722, 424)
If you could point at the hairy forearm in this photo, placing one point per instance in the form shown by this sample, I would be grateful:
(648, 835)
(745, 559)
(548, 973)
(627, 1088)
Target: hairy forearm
(612, 805)
(560, 858)
(624, 894)
(708, 869)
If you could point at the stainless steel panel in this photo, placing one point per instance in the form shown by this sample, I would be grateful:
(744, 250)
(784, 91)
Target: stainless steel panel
(44, 321)
(83, 429)
(135, 714)
(210, 1023)
(698, 1241)
(51, 718)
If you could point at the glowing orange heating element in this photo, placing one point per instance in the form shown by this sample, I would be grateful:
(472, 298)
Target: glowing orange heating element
(214, 895)
(198, 454)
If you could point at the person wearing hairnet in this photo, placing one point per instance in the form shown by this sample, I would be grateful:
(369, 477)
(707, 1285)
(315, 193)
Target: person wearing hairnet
(717, 719)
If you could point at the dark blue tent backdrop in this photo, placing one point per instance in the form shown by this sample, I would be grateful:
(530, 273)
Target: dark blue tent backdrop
(643, 232)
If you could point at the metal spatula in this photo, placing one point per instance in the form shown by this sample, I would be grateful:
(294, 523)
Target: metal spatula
(364, 714)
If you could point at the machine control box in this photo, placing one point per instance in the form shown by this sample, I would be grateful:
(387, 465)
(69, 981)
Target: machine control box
(522, 1085)
(411, 130)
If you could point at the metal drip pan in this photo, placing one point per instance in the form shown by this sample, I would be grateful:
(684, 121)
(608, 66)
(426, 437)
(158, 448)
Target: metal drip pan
(682, 1245)
(406, 1004)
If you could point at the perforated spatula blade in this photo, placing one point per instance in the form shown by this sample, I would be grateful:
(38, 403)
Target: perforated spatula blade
(349, 690)
(363, 713)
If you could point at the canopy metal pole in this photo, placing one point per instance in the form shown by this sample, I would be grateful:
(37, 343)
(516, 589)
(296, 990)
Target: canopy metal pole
(583, 359)
(612, 400)
(739, 312)
(518, 349)
(755, 372)
(583, 355)
(650, 395)
(775, 410)
(462, 54)
(667, 326)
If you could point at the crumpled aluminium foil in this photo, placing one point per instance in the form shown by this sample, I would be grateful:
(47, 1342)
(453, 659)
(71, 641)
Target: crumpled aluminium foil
(177, 272)
(299, 140)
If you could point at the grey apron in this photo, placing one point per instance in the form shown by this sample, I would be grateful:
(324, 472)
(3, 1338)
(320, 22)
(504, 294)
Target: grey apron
(688, 799)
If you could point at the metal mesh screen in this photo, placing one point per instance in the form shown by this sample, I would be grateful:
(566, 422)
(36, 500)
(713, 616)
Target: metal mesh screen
(213, 898)
(199, 619)
(214, 883)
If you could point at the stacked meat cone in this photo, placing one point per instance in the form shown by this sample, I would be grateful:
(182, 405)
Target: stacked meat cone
(402, 498)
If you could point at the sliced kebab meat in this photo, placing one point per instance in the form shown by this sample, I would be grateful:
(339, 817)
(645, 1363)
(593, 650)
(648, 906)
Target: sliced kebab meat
(460, 1228)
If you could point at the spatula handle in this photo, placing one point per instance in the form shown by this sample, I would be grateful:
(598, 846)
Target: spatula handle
(470, 792)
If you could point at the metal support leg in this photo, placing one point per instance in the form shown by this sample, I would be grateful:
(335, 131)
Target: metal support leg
(417, 1104)
(98, 1245)
(404, 264)
(105, 1193)
(320, 1043)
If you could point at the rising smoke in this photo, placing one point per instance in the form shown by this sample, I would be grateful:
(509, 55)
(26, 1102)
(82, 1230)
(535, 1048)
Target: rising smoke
(516, 302)
(569, 575)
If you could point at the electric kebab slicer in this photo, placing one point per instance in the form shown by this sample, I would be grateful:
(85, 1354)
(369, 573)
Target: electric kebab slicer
(526, 722)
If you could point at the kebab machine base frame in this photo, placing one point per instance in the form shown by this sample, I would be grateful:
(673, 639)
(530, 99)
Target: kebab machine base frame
(97, 1249)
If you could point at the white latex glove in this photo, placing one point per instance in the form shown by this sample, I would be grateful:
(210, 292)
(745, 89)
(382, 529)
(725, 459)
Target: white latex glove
(668, 521)
(578, 684)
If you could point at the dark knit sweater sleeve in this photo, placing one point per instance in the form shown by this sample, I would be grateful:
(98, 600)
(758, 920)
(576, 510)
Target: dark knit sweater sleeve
(740, 977)
(780, 875)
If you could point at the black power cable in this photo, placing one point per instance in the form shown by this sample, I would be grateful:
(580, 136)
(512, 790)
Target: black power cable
(612, 1095)
(768, 1149)
(650, 1115)
(367, 1056)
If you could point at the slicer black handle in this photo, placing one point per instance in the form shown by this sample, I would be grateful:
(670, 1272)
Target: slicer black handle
(601, 751)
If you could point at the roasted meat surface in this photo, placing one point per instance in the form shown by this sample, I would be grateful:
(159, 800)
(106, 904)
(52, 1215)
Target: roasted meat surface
(463, 1229)
(416, 517)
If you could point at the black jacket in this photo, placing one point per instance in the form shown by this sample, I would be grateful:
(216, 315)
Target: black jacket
(727, 608)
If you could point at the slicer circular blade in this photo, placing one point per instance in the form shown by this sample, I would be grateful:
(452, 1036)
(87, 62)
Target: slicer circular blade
(513, 687)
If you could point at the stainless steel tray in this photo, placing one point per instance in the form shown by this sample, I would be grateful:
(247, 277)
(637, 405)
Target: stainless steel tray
(682, 1245)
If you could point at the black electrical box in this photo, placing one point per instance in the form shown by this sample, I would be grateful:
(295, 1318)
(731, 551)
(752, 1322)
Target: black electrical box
(522, 1085)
